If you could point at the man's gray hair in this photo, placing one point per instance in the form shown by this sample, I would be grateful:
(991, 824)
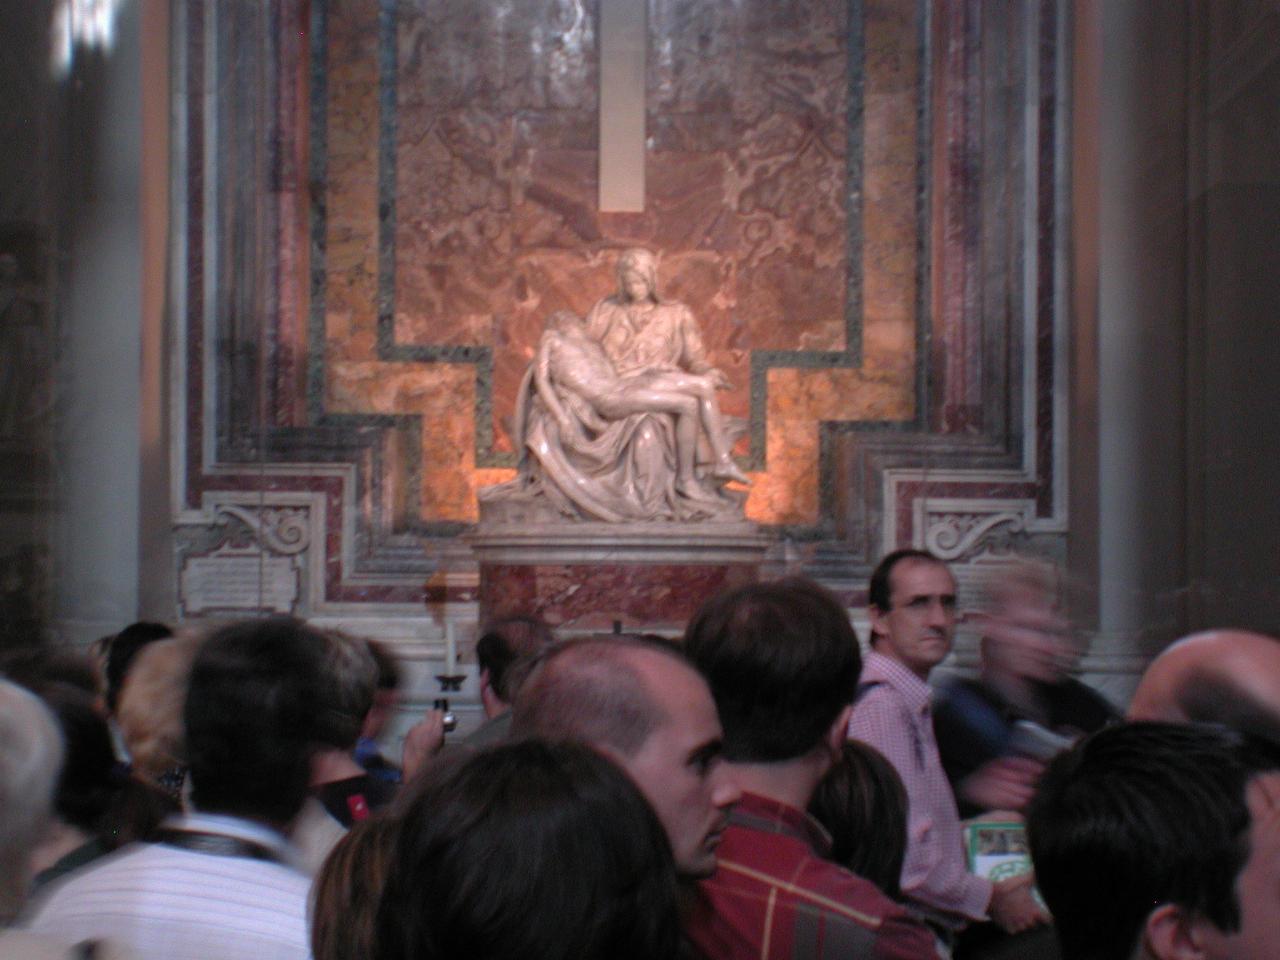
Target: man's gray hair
(348, 684)
(31, 755)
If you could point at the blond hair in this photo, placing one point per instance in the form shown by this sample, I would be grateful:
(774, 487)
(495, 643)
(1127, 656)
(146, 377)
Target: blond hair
(152, 702)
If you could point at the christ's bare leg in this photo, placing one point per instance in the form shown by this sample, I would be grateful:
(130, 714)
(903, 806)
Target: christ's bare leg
(653, 392)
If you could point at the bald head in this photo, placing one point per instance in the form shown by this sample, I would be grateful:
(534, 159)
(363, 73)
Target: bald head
(1230, 677)
(592, 691)
(646, 708)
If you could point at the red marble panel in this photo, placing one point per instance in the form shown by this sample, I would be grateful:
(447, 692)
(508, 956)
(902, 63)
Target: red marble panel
(790, 164)
(693, 69)
(745, 178)
(594, 596)
(482, 89)
(792, 54)
(527, 54)
(293, 305)
(453, 226)
(685, 201)
(554, 180)
(351, 168)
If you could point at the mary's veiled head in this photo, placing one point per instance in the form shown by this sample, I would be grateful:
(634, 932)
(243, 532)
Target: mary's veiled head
(635, 264)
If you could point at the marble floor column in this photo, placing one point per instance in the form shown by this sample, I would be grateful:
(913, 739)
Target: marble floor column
(1129, 179)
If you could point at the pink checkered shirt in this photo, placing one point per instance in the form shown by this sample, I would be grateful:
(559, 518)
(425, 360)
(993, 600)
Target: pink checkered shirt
(892, 713)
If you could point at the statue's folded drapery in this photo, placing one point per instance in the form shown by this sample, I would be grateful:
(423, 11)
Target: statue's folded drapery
(613, 471)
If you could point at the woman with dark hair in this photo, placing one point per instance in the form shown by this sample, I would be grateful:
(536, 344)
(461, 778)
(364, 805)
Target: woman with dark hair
(529, 849)
(347, 889)
(863, 805)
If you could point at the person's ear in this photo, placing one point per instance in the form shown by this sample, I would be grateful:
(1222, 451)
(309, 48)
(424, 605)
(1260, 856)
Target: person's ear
(876, 616)
(838, 733)
(1172, 933)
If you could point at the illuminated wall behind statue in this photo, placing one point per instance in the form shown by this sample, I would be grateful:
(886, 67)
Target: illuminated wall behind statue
(477, 197)
(379, 202)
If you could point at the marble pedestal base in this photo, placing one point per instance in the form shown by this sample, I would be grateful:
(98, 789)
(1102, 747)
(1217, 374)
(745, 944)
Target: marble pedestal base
(585, 577)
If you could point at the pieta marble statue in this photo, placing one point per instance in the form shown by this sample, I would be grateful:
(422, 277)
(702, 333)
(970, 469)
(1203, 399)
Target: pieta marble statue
(617, 418)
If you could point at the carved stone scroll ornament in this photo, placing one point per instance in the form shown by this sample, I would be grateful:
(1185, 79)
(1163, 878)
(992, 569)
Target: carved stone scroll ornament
(282, 530)
(952, 536)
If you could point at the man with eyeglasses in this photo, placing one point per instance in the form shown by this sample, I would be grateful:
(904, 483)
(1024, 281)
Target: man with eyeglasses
(912, 606)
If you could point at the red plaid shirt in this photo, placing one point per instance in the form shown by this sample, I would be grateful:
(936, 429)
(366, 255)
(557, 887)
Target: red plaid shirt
(774, 897)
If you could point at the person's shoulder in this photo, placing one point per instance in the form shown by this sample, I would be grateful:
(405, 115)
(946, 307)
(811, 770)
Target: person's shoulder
(493, 730)
(844, 899)
(876, 692)
(810, 899)
(958, 685)
(876, 668)
(610, 302)
(885, 718)
(24, 945)
(1078, 705)
(157, 867)
(67, 897)
(962, 695)
(785, 861)
(829, 885)
(105, 872)
(245, 902)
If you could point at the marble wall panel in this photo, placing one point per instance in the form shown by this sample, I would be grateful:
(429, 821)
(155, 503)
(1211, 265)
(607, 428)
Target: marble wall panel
(791, 120)
(453, 225)
(554, 180)
(882, 388)
(792, 150)
(493, 223)
(351, 165)
(444, 399)
(494, 104)
(574, 598)
(453, 189)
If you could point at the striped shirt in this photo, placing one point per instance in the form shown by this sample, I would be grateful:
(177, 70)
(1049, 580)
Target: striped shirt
(774, 897)
(163, 902)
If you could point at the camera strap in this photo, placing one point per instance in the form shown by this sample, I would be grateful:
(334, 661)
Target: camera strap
(216, 844)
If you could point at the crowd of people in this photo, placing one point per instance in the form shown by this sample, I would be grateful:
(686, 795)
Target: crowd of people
(758, 788)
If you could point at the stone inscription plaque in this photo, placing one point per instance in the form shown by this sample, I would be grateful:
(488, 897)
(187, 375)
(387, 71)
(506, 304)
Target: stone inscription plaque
(239, 579)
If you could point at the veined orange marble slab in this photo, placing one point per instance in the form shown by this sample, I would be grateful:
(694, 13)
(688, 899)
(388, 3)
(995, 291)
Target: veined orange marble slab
(495, 223)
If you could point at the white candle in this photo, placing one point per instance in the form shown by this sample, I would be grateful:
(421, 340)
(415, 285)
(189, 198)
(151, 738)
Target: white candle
(450, 651)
